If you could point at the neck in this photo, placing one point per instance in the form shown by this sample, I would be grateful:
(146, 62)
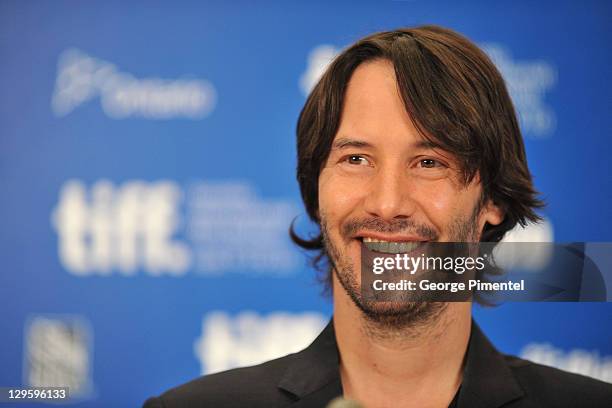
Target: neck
(412, 366)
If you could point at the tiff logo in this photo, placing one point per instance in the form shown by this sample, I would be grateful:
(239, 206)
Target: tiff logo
(120, 228)
(249, 338)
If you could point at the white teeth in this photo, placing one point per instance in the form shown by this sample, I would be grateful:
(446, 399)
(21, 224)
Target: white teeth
(368, 239)
(393, 247)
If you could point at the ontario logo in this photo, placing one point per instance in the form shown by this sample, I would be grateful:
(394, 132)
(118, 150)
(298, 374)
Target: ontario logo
(81, 77)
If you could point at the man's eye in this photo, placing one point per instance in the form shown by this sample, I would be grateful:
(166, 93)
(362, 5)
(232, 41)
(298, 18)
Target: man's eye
(430, 163)
(356, 159)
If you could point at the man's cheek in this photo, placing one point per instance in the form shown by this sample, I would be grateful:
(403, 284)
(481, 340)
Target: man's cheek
(441, 206)
(337, 198)
(439, 199)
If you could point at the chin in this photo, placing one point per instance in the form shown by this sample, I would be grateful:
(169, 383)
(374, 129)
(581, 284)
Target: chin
(405, 316)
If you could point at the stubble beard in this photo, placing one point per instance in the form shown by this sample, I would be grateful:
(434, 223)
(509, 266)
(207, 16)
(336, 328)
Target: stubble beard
(392, 319)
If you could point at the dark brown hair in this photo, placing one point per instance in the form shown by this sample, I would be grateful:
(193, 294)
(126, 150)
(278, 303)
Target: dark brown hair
(457, 100)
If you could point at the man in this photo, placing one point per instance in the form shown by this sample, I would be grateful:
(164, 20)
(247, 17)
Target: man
(409, 136)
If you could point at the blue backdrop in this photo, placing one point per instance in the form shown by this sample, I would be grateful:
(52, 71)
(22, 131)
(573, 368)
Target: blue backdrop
(147, 156)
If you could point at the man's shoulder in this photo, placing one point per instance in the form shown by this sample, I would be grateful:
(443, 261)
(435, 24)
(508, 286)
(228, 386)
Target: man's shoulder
(247, 386)
(554, 387)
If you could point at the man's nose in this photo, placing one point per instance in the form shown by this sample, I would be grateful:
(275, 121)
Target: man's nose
(390, 195)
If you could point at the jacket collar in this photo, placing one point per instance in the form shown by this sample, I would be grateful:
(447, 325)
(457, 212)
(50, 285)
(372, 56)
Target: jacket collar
(313, 376)
(314, 373)
(487, 379)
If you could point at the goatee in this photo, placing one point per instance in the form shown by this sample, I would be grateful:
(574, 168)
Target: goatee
(387, 318)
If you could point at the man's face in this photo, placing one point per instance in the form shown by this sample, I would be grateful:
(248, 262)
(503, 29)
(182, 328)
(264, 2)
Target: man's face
(383, 181)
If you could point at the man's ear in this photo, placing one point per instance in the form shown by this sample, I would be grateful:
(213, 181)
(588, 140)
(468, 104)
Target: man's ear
(492, 213)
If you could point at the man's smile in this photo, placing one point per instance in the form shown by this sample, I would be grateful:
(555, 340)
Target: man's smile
(390, 247)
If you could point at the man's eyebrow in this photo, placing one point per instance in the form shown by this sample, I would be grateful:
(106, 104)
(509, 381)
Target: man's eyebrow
(343, 142)
(426, 144)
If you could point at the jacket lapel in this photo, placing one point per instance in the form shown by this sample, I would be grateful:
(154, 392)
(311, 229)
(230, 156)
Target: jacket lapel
(487, 379)
(313, 377)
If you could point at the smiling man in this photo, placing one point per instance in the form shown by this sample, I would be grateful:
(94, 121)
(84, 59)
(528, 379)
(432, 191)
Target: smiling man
(409, 137)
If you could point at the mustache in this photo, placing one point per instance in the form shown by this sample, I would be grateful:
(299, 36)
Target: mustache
(403, 225)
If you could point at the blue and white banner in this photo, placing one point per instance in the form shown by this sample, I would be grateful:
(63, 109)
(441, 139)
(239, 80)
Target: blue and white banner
(147, 178)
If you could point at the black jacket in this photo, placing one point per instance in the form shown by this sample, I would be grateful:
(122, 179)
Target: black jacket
(310, 378)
